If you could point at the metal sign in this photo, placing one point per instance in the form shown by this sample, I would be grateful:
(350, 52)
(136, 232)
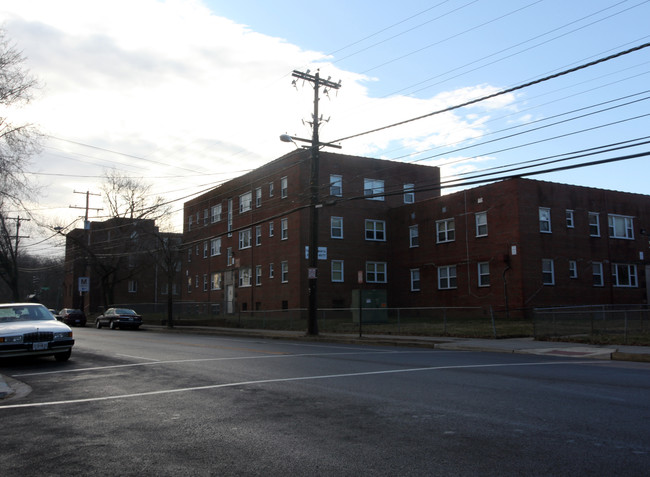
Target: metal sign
(84, 284)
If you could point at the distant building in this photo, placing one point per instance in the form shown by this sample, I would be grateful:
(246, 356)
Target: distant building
(383, 227)
(120, 260)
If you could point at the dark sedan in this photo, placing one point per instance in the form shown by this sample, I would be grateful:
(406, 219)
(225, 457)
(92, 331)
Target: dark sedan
(72, 317)
(119, 318)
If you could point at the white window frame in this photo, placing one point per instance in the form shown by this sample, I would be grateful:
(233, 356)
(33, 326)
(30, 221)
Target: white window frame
(229, 218)
(445, 230)
(245, 277)
(336, 227)
(215, 213)
(284, 187)
(258, 235)
(271, 229)
(624, 275)
(258, 197)
(336, 185)
(372, 187)
(414, 236)
(284, 271)
(415, 279)
(206, 217)
(447, 277)
(545, 220)
(374, 232)
(548, 271)
(215, 246)
(284, 228)
(480, 219)
(337, 271)
(244, 239)
(570, 219)
(245, 202)
(205, 249)
(258, 275)
(376, 272)
(271, 270)
(597, 273)
(483, 269)
(205, 282)
(409, 193)
(620, 226)
(216, 280)
(594, 225)
(133, 286)
(573, 269)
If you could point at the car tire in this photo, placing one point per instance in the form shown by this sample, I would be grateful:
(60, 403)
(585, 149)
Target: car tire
(112, 325)
(98, 325)
(63, 356)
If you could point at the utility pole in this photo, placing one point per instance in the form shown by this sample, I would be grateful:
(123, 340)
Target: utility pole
(12, 257)
(87, 240)
(318, 82)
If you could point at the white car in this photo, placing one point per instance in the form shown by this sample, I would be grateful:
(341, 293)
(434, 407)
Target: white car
(28, 329)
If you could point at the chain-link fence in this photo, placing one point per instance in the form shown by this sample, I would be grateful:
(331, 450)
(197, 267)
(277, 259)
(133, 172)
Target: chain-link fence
(483, 322)
(627, 322)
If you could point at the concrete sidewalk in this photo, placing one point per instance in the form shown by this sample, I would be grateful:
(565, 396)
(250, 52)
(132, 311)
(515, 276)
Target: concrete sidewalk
(514, 345)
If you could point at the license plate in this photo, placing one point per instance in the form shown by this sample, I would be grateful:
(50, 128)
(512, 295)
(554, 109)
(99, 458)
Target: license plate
(39, 346)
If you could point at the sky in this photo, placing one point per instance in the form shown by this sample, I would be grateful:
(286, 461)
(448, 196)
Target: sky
(186, 94)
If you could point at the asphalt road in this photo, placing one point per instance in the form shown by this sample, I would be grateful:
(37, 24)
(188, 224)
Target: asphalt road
(153, 403)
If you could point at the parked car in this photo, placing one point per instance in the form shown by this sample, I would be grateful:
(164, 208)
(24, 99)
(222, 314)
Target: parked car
(72, 317)
(30, 329)
(119, 318)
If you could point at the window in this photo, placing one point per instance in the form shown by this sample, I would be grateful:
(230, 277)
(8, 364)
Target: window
(189, 222)
(284, 271)
(230, 258)
(414, 236)
(569, 219)
(216, 213)
(245, 277)
(258, 275)
(594, 224)
(373, 187)
(573, 269)
(270, 189)
(196, 281)
(446, 230)
(336, 227)
(205, 282)
(133, 286)
(481, 224)
(189, 255)
(597, 270)
(376, 230)
(409, 194)
(545, 220)
(624, 275)
(337, 270)
(620, 226)
(270, 229)
(284, 229)
(244, 239)
(376, 272)
(229, 217)
(216, 280)
(283, 188)
(447, 277)
(258, 197)
(415, 279)
(548, 273)
(484, 274)
(205, 249)
(258, 235)
(271, 272)
(189, 284)
(205, 217)
(245, 201)
(336, 185)
(215, 246)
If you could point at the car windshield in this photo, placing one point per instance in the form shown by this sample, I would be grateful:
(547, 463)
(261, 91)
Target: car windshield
(25, 313)
(125, 311)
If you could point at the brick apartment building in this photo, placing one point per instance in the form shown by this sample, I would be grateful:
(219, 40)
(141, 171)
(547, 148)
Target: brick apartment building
(511, 245)
(519, 244)
(124, 262)
(246, 241)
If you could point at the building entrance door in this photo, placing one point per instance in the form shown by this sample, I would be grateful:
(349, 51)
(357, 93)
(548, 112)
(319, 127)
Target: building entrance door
(230, 298)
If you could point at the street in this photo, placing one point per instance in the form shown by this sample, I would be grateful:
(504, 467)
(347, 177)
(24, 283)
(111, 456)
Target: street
(155, 403)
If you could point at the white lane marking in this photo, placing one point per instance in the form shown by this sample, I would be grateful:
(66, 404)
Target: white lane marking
(136, 357)
(199, 360)
(284, 380)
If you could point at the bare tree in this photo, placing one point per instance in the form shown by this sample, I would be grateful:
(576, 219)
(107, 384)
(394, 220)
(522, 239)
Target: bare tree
(17, 143)
(127, 197)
